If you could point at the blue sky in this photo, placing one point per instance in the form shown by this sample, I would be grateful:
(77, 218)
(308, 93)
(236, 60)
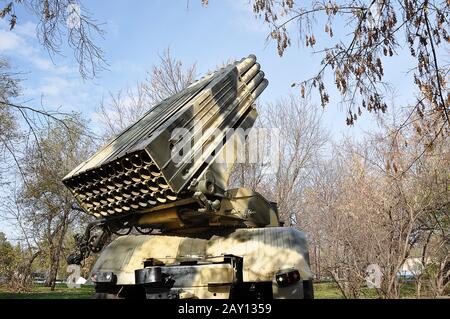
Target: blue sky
(136, 31)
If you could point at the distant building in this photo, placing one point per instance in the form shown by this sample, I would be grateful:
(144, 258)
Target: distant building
(412, 267)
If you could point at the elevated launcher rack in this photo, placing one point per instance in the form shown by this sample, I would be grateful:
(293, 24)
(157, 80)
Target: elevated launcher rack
(133, 180)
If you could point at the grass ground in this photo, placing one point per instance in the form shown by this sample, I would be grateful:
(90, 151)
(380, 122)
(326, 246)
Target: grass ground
(321, 291)
(325, 290)
(40, 292)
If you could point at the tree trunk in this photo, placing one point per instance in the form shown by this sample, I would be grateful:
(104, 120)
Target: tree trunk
(60, 247)
(26, 270)
(50, 277)
(340, 285)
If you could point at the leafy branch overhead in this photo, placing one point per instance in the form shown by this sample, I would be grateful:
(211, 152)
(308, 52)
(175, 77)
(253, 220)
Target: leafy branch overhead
(379, 29)
(64, 20)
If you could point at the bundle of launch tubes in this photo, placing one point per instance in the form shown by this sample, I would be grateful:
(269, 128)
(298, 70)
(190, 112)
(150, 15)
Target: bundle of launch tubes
(135, 171)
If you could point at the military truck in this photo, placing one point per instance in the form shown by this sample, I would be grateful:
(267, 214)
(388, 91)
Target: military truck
(179, 232)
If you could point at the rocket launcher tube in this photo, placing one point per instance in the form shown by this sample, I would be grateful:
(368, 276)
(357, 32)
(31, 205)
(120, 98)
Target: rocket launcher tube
(241, 104)
(139, 162)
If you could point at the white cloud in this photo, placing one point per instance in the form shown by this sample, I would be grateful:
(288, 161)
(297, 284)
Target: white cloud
(28, 29)
(55, 86)
(9, 41)
(121, 66)
(56, 91)
(113, 28)
(244, 18)
(21, 43)
(47, 65)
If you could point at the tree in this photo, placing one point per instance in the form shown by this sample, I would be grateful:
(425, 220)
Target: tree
(300, 146)
(61, 20)
(298, 149)
(8, 260)
(165, 79)
(9, 127)
(19, 123)
(381, 201)
(168, 77)
(58, 21)
(15, 141)
(48, 205)
(379, 30)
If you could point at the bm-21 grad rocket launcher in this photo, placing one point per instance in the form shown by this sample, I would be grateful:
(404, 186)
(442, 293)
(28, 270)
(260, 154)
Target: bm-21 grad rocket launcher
(161, 185)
